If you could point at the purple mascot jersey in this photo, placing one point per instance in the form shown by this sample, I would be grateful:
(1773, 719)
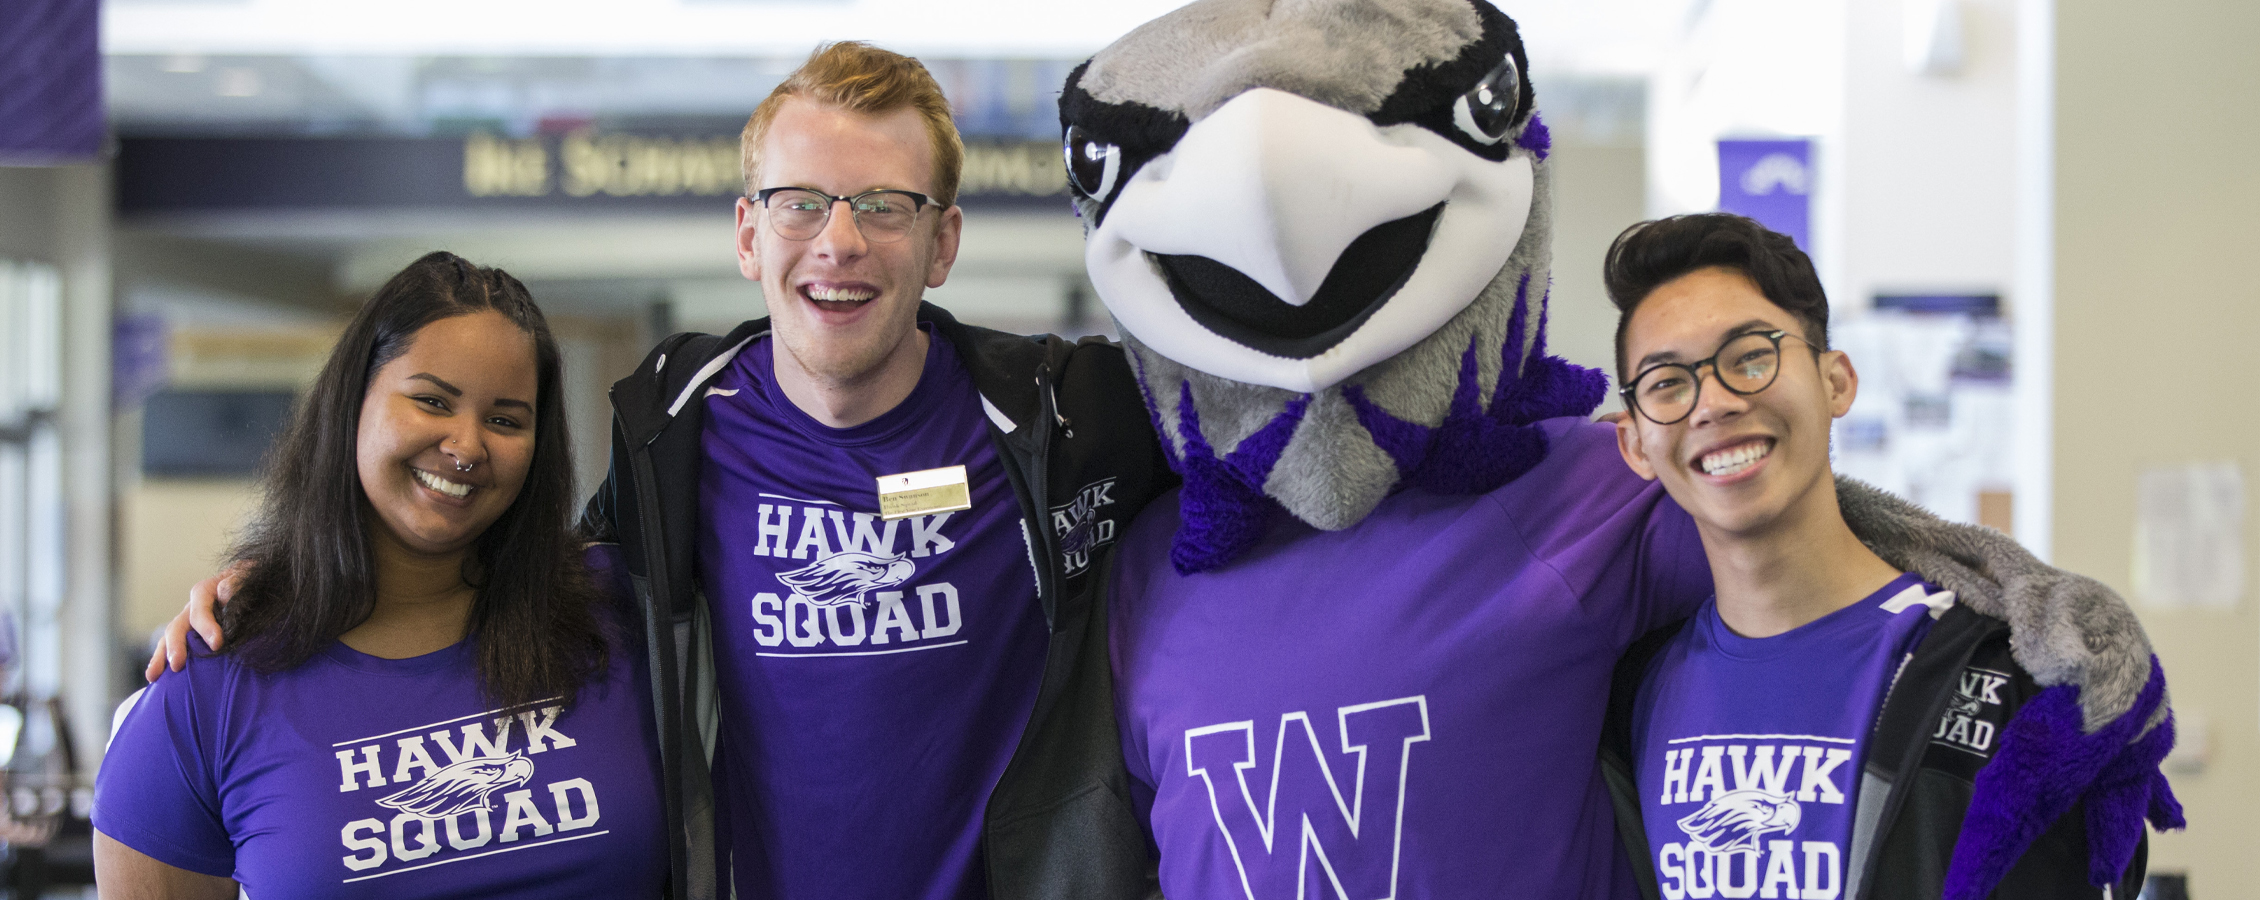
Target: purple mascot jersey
(875, 675)
(1406, 708)
(1749, 750)
(356, 776)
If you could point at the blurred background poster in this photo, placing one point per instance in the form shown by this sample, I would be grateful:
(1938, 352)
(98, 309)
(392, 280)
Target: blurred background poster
(1935, 416)
(2189, 535)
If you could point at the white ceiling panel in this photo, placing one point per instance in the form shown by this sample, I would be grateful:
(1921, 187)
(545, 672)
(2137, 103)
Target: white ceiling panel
(1614, 37)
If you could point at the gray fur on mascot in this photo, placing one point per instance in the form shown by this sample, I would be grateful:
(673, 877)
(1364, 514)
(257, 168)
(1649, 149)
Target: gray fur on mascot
(1323, 229)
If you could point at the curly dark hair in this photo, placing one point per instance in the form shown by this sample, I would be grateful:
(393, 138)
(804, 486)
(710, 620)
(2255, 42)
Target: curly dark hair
(535, 626)
(1648, 254)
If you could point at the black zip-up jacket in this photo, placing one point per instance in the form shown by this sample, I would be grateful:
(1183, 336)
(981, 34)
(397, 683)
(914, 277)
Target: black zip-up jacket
(1082, 458)
(1941, 722)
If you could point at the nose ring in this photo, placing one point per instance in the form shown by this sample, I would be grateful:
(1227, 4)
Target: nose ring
(462, 466)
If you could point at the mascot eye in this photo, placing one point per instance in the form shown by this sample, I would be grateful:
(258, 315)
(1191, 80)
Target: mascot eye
(1092, 164)
(1487, 110)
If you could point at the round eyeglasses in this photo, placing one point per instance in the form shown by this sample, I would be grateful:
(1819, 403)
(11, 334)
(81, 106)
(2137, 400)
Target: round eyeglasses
(799, 214)
(1746, 364)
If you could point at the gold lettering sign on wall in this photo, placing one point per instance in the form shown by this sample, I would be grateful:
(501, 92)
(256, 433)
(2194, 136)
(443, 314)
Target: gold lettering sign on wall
(1030, 169)
(588, 164)
(495, 167)
(621, 165)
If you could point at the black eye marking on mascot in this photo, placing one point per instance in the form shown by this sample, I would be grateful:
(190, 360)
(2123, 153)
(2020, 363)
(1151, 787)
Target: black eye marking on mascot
(1321, 226)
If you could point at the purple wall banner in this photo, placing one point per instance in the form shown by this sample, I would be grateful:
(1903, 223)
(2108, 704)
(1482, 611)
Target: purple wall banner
(50, 82)
(140, 358)
(1771, 181)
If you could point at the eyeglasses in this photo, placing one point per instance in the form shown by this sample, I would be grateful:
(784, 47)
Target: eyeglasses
(800, 214)
(1746, 364)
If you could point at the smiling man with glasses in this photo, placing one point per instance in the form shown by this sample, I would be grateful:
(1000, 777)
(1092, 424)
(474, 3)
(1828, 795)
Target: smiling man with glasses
(863, 530)
(843, 291)
(1822, 725)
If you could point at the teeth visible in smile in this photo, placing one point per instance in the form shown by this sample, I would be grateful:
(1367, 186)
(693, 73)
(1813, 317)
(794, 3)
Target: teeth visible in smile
(1733, 460)
(839, 295)
(442, 485)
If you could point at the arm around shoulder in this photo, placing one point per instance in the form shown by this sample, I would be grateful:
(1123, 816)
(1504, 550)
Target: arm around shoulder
(2068, 629)
(2096, 732)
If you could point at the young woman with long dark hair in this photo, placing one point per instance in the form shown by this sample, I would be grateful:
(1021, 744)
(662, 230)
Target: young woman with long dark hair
(421, 694)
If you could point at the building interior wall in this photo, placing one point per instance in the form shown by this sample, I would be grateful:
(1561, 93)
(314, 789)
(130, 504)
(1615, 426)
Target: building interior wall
(26, 199)
(2155, 316)
(1927, 161)
(60, 216)
(1599, 190)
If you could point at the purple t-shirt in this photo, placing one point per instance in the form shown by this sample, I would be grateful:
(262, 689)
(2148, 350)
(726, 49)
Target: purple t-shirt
(1748, 750)
(1406, 708)
(875, 676)
(357, 776)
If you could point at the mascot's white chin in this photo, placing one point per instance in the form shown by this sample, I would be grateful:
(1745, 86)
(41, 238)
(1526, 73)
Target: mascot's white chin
(1324, 233)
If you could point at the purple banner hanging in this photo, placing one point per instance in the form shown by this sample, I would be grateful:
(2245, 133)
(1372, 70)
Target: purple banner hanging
(1770, 181)
(50, 82)
(140, 358)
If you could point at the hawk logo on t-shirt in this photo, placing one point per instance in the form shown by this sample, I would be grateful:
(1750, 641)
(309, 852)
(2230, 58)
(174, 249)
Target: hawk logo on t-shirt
(1738, 820)
(855, 596)
(462, 787)
(483, 800)
(1755, 792)
(846, 577)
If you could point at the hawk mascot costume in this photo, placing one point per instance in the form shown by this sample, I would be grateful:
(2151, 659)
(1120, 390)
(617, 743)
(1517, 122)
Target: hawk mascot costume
(1365, 650)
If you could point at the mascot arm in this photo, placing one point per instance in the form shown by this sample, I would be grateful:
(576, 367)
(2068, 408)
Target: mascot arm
(1674, 580)
(2097, 731)
(2065, 629)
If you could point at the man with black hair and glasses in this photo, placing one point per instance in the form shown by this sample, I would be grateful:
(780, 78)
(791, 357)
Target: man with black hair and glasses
(1826, 725)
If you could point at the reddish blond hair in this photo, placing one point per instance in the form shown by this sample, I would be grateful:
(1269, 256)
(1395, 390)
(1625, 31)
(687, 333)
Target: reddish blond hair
(856, 76)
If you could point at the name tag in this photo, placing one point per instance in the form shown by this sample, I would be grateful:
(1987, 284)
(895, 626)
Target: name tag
(924, 493)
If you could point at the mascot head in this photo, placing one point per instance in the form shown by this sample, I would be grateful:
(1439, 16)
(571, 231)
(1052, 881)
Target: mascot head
(1323, 229)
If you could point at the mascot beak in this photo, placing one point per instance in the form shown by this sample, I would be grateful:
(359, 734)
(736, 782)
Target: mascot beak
(1289, 243)
(1276, 187)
